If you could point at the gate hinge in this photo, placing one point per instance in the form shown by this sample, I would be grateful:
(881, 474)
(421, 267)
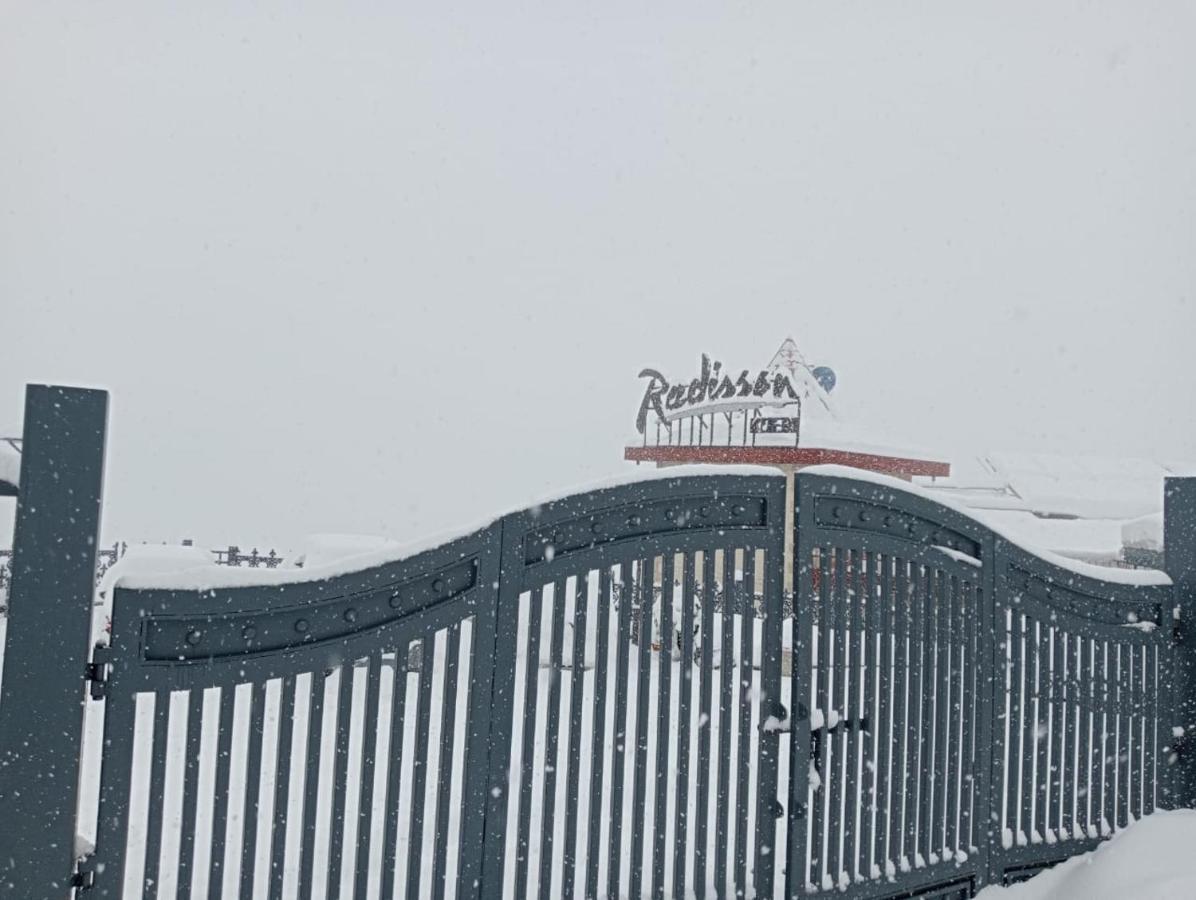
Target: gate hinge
(97, 670)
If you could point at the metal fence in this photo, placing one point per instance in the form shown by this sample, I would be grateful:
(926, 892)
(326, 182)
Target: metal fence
(611, 696)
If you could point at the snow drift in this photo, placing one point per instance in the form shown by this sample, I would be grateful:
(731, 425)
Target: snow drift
(1151, 859)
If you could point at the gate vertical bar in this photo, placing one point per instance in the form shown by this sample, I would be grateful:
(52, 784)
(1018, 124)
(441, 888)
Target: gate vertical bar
(581, 602)
(620, 726)
(553, 722)
(492, 647)
(664, 715)
(885, 728)
(723, 837)
(705, 724)
(253, 786)
(772, 712)
(495, 639)
(597, 806)
(154, 822)
(994, 657)
(642, 604)
(799, 855)
(342, 725)
(451, 699)
(191, 764)
(684, 705)
(369, 761)
(49, 618)
(747, 619)
(282, 783)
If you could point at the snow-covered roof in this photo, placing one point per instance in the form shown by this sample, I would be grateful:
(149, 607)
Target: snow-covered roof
(1087, 487)
(1010, 531)
(1094, 508)
(1093, 540)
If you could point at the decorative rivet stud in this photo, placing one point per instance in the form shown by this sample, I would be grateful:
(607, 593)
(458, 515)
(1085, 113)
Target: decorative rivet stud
(633, 520)
(301, 625)
(194, 636)
(350, 615)
(888, 521)
(670, 514)
(395, 600)
(557, 537)
(837, 512)
(595, 526)
(438, 585)
(865, 515)
(737, 510)
(704, 512)
(248, 632)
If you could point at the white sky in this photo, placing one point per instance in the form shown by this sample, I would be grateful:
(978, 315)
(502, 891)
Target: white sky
(390, 271)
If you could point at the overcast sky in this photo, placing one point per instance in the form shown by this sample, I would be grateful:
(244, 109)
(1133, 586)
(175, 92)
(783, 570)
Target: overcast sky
(390, 270)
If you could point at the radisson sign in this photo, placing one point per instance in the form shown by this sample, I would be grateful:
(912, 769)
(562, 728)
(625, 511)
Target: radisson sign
(713, 389)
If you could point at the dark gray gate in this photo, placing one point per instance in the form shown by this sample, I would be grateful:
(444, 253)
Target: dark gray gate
(306, 737)
(636, 675)
(375, 731)
(978, 712)
(608, 695)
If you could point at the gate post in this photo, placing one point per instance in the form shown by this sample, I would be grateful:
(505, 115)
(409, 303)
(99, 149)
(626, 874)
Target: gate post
(1179, 555)
(50, 599)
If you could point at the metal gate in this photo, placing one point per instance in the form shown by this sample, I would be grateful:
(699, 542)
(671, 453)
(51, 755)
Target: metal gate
(610, 695)
(575, 699)
(637, 682)
(320, 738)
(978, 712)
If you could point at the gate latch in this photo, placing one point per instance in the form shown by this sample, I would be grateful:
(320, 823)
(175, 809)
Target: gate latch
(98, 669)
(83, 880)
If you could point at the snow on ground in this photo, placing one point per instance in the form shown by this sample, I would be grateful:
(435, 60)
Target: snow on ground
(1151, 859)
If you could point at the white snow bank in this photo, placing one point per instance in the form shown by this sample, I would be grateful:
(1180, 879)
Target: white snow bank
(1084, 539)
(10, 464)
(324, 549)
(1145, 533)
(1086, 485)
(1151, 859)
(147, 559)
(190, 575)
(1103, 573)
